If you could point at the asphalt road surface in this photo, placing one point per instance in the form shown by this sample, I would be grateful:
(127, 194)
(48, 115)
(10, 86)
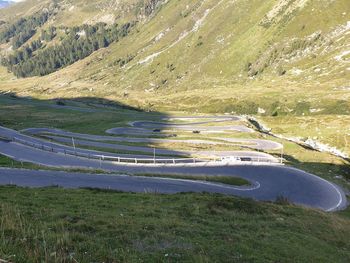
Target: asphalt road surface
(249, 143)
(298, 186)
(268, 182)
(146, 128)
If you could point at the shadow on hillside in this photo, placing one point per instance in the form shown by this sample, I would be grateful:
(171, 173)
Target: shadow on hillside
(87, 115)
(91, 102)
(91, 115)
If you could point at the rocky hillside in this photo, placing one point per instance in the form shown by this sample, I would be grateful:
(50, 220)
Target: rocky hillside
(247, 56)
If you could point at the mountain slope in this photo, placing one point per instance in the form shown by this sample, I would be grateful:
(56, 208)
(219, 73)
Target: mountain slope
(4, 3)
(272, 56)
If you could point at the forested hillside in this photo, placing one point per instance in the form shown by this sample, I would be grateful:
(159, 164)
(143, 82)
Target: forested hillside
(258, 57)
(76, 44)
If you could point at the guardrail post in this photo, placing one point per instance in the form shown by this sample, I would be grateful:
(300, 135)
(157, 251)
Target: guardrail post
(174, 161)
(136, 160)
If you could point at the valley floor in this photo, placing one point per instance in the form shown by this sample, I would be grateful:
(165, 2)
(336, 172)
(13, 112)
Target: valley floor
(84, 225)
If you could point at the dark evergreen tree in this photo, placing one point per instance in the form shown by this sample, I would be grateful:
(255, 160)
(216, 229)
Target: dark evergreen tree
(79, 43)
(23, 29)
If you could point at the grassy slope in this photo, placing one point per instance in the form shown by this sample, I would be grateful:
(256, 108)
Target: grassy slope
(24, 8)
(87, 225)
(29, 113)
(229, 39)
(212, 59)
(130, 227)
(329, 129)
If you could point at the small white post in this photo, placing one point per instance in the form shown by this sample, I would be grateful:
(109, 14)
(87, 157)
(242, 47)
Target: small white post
(154, 154)
(74, 146)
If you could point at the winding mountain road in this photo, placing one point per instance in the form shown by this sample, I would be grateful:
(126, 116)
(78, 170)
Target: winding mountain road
(147, 128)
(268, 182)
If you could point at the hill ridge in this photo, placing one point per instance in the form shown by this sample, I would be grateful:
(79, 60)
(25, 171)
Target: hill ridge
(234, 50)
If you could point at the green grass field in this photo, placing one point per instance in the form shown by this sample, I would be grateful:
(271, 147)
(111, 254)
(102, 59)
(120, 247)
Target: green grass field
(7, 162)
(56, 225)
(20, 113)
(328, 129)
(88, 225)
(229, 180)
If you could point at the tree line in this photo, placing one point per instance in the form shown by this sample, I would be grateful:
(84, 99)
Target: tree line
(20, 31)
(79, 43)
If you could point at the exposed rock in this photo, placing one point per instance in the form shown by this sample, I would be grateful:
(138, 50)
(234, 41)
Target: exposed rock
(261, 111)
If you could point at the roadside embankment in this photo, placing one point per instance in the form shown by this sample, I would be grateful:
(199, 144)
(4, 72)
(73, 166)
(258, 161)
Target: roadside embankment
(309, 143)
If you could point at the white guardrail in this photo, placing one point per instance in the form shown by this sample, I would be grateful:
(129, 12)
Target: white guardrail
(230, 159)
